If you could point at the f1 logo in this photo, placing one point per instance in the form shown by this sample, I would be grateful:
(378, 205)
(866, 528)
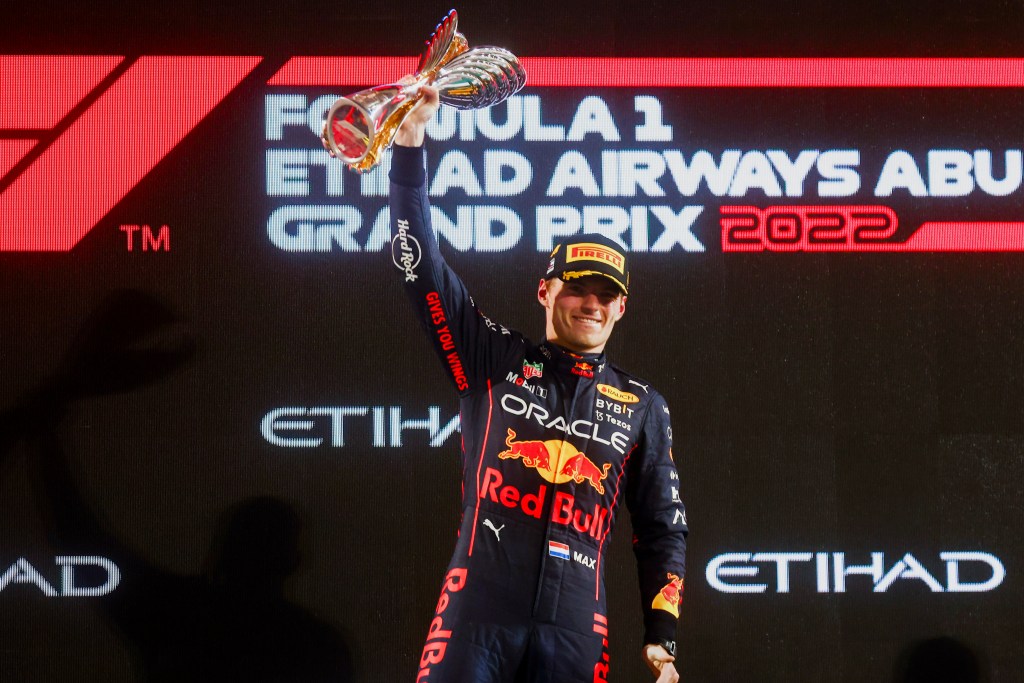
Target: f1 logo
(62, 170)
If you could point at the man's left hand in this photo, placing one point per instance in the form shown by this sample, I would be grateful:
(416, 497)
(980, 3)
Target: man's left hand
(660, 662)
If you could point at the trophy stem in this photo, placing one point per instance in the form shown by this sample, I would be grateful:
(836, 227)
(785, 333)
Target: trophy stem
(386, 133)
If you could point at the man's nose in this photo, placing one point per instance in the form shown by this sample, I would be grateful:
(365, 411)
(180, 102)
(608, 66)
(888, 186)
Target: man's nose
(591, 302)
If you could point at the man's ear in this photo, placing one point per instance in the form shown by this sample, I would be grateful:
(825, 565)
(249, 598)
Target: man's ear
(542, 293)
(622, 308)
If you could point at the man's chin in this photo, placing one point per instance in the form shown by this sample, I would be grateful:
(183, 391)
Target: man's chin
(587, 344)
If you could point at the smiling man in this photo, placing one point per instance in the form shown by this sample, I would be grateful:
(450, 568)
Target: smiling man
(555, 439)
(582, 311)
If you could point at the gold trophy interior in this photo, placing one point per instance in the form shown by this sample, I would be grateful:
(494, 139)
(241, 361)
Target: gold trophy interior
(359, 127)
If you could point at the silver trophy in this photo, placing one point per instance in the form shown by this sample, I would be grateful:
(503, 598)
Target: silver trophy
(359, 127)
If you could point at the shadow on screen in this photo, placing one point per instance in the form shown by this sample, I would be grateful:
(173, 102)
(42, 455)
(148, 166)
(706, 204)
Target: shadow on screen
(939, 660)
(131, 340)
(230, 622)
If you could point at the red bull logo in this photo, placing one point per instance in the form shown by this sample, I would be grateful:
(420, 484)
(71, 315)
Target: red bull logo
(592, 521)
(438, 635)
(580, 469)
(669, 597)
(556, 461)
(583, 370)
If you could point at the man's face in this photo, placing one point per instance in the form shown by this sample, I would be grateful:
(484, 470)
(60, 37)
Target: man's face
(581, 313)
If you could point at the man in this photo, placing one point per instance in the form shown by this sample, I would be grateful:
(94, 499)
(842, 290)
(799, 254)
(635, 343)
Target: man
(554, 439)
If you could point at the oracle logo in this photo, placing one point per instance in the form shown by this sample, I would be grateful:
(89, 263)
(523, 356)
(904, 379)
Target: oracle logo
(78, 132)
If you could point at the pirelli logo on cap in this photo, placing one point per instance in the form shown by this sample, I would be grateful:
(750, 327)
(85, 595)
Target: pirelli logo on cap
(588, 251)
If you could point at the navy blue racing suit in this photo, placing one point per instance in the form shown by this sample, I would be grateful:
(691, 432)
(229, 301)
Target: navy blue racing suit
(553, 444)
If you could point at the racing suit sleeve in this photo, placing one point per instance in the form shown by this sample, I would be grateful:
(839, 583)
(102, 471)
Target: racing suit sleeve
(659, 524)
(472, 349)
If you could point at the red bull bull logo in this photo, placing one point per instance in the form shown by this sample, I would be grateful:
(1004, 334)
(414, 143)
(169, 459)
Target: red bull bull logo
(556, 461)
(535, 454)
(583, 369)
(669, 597)
(580, 469)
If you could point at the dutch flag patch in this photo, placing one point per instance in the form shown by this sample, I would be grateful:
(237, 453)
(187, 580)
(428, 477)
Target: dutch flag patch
(559, 550)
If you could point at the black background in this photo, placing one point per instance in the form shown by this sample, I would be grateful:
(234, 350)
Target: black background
(844, 402)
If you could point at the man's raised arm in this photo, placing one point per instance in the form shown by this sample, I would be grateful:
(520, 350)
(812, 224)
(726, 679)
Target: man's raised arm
(471, 347)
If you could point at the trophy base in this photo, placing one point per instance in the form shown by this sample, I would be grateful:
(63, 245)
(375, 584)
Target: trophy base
(359, 128)
(348, 131)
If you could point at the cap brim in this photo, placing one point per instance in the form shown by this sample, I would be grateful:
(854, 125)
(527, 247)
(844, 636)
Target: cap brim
(576, 274)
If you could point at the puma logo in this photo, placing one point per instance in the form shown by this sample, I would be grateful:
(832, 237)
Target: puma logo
(497, 531)
(642, 386)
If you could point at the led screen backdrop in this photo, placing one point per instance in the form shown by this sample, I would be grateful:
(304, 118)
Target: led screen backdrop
(228, 453)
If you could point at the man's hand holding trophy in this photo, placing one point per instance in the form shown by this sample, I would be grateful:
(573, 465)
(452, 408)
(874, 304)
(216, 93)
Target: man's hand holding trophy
(359, 127)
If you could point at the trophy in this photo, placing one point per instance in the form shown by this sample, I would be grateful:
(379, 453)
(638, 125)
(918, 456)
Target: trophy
(359, 127)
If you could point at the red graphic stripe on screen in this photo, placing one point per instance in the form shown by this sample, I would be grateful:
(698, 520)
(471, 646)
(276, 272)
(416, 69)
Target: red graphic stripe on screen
(111, 147)
(776, 72)
(966, 237)
(727, 72)
(37, 91)
(13, 151)
(352, 71)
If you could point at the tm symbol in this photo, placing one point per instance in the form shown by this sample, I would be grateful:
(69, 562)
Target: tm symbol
(144, 235)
